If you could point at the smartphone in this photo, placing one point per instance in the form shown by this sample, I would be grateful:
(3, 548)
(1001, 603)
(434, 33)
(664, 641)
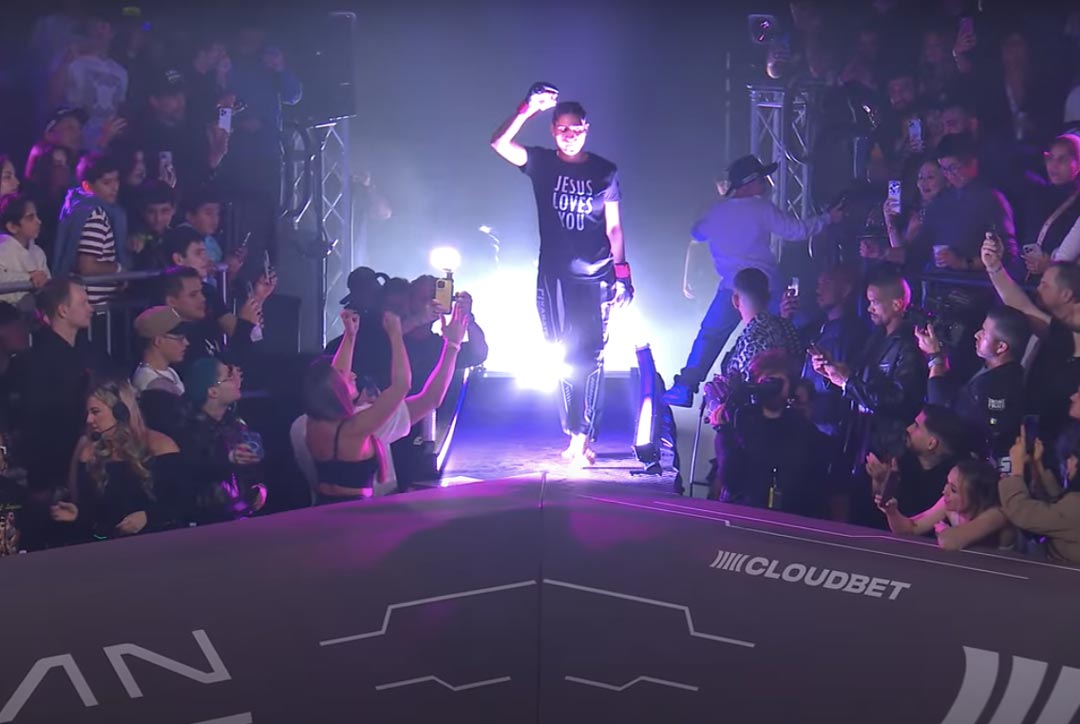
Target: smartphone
(793, 287)
(268, 270)
(891, 489)
(894, 193)
(914, 130)
(1031, 249)
(1031, 432)
(444, 294)
(165, 164)
(967, 25)
(224, 119)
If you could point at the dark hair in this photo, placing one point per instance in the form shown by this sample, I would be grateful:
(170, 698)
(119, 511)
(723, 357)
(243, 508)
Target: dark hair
(38, 170)
(569, 107)
(154, 191)
(982, 483)
(93, 166)
(948, 427)
(899, 72)
(1013, 328)
(890, 281)
(178, 240)
(752, 283)
(960, 146)
(12, 209)
(325, 395)
(1068, 276)
(172, 281)
(200, 197)
(773, 363)
(55, 292)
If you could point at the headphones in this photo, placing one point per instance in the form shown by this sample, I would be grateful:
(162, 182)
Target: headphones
(120, 410)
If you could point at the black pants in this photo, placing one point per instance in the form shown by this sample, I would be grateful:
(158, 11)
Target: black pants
(574, 315)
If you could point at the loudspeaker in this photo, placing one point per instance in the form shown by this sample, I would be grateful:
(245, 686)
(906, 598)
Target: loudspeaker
(327, 68)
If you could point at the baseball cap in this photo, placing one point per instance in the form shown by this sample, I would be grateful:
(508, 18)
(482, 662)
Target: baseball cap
(361, 282)
(66, 112)
(156, 321)
(167, 82)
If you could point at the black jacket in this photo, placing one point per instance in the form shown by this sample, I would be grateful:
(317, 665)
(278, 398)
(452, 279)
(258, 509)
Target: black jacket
(992, 402)
(890, 384)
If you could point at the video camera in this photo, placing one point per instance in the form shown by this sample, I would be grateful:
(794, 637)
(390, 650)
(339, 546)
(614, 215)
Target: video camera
(939, 314)
(734, 394)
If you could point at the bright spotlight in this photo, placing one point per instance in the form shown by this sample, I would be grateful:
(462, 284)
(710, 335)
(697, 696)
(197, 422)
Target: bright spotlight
(445, 258)
(485, 229)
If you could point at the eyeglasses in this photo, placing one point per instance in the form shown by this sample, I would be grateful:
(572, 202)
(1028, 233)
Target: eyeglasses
(229, 374)
(571, 129)
(175, 337)
(951, 168)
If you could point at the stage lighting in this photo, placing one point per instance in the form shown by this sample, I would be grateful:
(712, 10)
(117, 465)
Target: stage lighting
(445, 258)
(485, 229)
(647, 433)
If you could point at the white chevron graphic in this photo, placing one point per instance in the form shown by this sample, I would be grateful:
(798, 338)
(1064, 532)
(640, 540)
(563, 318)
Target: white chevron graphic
(1026, 678)
(662, 604)
(638, 680)
(440, 682)
(244, 718)
(422, 602)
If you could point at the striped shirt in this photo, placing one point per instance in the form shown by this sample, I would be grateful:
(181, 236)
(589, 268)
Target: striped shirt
(98, 242)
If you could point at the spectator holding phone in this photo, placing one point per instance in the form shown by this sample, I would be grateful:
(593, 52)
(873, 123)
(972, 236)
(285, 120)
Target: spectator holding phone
(904, 224)
(1055, 318)
(992, 401)
(1057, 514)
(1052, 231)
(967, 514)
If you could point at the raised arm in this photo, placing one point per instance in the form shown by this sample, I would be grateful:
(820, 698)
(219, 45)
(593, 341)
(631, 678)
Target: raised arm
(438, 382)
(343, 358)
(502, 141)
(1009, 291)
(368, 421)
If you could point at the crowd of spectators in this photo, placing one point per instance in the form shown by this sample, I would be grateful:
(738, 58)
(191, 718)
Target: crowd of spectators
(135, 261)
(934, 387)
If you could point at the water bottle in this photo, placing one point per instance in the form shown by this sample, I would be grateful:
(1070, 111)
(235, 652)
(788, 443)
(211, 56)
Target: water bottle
(775, 496)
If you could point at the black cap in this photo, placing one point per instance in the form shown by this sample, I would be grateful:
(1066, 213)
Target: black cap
(745, 170)
(360, 279)
(62, 113)
(167, 82)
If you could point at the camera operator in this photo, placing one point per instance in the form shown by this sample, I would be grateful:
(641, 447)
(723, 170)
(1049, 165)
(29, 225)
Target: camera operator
(889, 382)
(767, 454)
(993, 400)
(1055, 319)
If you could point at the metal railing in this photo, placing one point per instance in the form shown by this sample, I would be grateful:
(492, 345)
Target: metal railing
(108, 309)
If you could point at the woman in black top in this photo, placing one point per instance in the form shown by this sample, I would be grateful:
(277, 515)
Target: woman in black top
(341, 439)
(122, 475)
(1051, 230)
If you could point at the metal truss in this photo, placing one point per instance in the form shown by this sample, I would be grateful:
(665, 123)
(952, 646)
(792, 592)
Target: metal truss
(780, 132)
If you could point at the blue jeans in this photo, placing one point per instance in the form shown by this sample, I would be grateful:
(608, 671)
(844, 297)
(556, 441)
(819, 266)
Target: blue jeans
(720, 321)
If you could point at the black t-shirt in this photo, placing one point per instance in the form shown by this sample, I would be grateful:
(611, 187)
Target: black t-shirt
(570, 200)
(1054, 377)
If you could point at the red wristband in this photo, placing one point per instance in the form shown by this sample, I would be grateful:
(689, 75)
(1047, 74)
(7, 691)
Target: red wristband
(622, 270)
